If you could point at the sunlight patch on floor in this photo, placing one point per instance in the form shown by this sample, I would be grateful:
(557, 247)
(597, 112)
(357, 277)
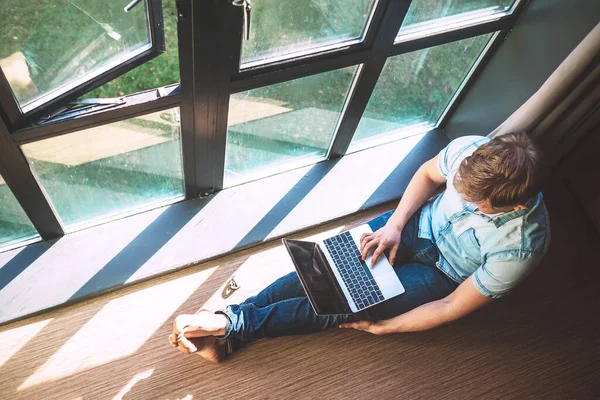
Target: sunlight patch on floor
(119, 329)
(132, 382)
(13, 340)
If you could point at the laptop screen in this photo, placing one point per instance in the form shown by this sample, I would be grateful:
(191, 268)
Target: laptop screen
(317, 278)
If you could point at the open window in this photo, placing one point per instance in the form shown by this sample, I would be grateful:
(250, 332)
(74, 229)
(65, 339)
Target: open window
(57, 50)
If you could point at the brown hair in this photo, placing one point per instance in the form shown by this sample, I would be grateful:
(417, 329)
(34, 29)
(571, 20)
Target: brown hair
(507, 171)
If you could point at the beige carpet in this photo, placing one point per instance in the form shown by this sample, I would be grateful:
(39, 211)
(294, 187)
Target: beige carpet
(543, 342)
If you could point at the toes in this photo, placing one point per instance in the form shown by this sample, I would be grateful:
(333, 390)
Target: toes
(185, 342)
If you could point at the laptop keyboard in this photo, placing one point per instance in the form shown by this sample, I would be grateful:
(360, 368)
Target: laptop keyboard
(354, 271)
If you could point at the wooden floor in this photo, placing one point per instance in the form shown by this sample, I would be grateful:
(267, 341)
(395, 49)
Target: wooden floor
(542, 342)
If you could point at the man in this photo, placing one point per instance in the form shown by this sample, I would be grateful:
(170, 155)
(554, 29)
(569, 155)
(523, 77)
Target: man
(465, 247)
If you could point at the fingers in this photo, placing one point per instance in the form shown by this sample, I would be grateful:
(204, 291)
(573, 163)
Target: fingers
(377, 253)
(373, 242)
(364, 235)
(393, 253)
(364, 239)
(366, 326)
(359, 325)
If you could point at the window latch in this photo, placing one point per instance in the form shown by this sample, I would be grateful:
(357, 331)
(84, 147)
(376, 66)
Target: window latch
(247, 4)
(132, 4)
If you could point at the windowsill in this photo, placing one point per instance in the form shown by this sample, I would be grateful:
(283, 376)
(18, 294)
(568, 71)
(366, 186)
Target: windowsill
(85, 263)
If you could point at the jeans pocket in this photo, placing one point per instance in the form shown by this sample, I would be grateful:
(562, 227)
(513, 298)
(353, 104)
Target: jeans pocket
(428, 256)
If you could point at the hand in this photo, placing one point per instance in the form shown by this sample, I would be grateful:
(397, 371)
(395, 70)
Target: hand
(384, 238)
(376, 328)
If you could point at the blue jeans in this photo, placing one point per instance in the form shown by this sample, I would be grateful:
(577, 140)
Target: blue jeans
(283, 309)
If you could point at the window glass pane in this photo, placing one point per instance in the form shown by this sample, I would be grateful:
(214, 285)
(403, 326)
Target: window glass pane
(14, 223)
(160, 71)
(281, 27)
(282, 126)
(113, 169)
(414, 90)
(46, 45)
(424, 14)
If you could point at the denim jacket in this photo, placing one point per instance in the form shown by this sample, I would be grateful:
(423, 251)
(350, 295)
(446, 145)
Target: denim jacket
(500, 250)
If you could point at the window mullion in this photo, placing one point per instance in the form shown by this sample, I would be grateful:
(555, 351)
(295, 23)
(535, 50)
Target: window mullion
(185, 35)
(384, 39)
(19, 177)
(206, 44)
(8, 103)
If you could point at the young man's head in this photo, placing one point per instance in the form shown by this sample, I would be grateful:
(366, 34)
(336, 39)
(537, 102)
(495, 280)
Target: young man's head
(501, 175)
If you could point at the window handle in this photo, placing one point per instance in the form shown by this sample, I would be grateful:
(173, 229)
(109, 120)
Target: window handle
(247, 4)
(133, 3)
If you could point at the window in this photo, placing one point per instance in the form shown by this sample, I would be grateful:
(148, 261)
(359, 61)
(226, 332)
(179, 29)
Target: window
(160, 71)
(117, 111)
(426, 16)
(14, 225)
(281, 28)
(111, 170)
(53, 48)
(283, 126)
(415, 89)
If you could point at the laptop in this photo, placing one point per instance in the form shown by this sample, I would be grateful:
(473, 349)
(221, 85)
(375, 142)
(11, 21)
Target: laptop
(336, 279)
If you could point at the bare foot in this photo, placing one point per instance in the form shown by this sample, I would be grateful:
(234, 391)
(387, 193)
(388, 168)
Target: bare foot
(204, 323)
(210, 348)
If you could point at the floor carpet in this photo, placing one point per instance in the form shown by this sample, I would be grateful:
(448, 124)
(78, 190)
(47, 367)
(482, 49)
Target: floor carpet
(542, 342)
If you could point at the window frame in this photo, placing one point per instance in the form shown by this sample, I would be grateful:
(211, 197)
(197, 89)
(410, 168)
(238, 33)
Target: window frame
(16, 117)
(209, 71)
(319, 52)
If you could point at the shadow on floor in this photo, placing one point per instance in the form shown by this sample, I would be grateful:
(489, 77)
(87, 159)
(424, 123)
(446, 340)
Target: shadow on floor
(540, 342)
